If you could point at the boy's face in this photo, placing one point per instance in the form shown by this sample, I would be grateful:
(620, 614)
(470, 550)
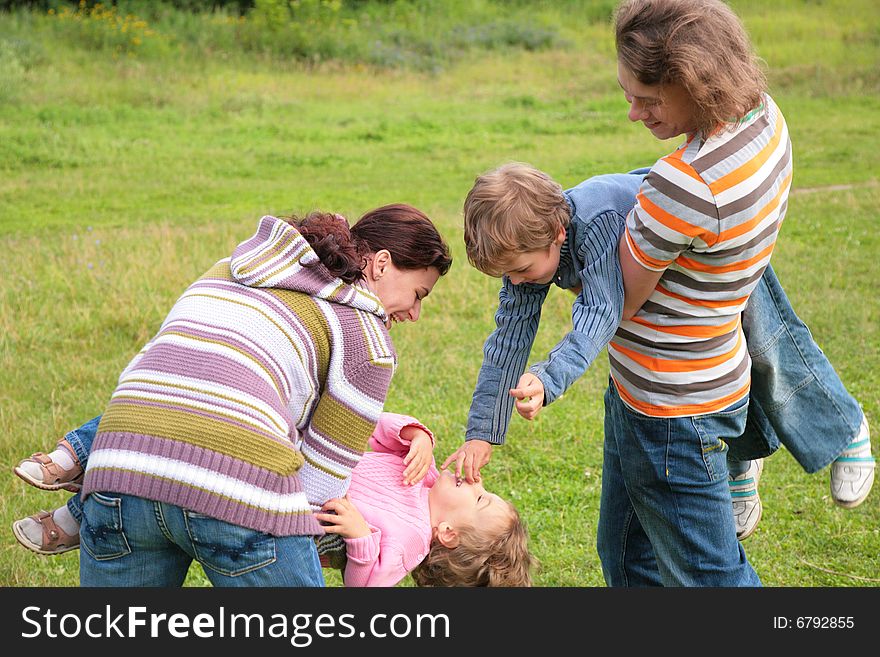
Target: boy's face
(535, 266)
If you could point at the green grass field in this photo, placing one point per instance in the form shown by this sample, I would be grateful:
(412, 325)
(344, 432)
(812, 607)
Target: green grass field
(124, 176)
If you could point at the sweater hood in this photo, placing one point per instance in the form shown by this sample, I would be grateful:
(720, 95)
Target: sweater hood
(278, 256)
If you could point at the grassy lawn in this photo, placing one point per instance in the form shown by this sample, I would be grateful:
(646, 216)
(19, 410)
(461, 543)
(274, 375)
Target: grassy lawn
(122, 178)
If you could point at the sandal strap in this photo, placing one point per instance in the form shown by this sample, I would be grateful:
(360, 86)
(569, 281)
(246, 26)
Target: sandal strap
(53, 535)
(54, 473)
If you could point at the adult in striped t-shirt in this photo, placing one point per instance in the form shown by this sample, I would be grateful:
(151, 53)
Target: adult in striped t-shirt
(696, 243)
(252, 404)
(696, 246)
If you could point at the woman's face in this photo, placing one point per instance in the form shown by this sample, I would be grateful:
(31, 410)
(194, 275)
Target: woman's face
(401, 291)
(667, 111)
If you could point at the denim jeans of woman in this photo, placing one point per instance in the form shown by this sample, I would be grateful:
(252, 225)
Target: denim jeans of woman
(665, 516)
(132, 541)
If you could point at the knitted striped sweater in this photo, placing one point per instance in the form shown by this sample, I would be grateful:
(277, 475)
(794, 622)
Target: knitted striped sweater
(256, 398)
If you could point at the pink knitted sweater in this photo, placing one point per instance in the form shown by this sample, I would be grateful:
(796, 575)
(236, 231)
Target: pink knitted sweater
(398, 515)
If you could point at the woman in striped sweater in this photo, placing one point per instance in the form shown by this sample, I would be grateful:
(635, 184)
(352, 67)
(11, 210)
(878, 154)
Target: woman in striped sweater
(252, 404)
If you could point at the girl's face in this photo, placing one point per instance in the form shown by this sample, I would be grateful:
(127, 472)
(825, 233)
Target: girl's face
(400, 290)
(667, 111)
(467, 504)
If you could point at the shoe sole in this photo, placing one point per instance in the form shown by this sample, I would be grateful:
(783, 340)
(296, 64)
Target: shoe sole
(853, 504)
(25, 542)
(24, 476)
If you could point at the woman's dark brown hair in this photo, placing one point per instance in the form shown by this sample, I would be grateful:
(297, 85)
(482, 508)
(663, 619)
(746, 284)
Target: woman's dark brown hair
(404, 231)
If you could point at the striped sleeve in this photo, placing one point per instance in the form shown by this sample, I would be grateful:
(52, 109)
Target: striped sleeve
(505, 355)
(338, 432)
(596, 311)
(674, 210)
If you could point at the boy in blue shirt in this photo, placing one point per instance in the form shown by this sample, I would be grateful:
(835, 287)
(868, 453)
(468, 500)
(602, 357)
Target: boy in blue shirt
(520, 225)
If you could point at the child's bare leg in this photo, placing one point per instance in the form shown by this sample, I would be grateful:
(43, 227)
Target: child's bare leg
(48, 533)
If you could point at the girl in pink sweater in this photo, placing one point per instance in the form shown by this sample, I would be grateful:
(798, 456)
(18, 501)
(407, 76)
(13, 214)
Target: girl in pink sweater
(402, 515)
(399, 515)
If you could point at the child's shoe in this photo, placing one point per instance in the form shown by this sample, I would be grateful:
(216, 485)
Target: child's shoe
(43, 528)
(747, 507)
(48, 473)
(852, 473)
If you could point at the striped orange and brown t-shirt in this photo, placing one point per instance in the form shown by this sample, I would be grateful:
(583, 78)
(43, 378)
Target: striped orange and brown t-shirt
(708, 214)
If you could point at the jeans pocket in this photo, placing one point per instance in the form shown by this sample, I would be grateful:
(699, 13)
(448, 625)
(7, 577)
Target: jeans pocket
(716, 431)
(101, 533)
(228, 549)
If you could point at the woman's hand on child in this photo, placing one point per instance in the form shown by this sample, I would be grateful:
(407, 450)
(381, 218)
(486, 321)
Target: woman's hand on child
(344, 519)
(469, 459)
(419, 457)
(529, 394)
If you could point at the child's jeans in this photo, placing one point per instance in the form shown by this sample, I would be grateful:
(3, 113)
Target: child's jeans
(796, 398)
(81, 440)
(132, 541)
(665, 516)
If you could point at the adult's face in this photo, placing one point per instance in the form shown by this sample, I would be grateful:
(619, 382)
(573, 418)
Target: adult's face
(401, 291)
(667, 110)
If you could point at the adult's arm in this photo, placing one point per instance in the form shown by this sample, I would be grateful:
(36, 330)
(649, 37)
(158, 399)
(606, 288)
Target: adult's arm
(340, 427)
(638, 281)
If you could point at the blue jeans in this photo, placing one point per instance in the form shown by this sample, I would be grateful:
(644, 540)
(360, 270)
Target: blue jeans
(81, 439)
(132, 541)
(665, 516)
(796, 398)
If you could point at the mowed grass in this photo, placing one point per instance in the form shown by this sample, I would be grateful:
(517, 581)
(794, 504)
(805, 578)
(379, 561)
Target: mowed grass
(123, 180)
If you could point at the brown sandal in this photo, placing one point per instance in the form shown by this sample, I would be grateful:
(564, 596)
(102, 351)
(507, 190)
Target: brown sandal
(54, 476)
(55, 540)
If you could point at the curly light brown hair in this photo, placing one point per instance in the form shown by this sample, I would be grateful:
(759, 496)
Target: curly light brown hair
(481, 558)
(511, 210)
(698, 44)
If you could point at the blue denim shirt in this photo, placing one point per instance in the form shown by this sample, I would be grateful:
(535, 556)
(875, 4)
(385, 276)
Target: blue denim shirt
(589, 257)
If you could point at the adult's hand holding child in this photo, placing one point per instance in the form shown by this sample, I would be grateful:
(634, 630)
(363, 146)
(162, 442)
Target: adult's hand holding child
(343, 518)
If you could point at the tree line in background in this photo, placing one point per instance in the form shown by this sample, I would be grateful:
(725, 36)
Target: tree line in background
(239, 6)
(414, 34)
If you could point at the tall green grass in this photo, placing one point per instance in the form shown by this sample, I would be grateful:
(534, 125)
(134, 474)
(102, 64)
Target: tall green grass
(125, 175)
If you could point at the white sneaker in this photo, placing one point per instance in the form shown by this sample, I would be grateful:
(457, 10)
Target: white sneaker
(747, 506)
(852, 473)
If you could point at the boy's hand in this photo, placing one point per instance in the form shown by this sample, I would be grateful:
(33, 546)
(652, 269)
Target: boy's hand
(469, 459)
(529, 394)
(419, 457)
(344, 519)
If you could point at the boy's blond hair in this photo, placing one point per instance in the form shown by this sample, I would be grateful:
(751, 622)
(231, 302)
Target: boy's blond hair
(511, 210)
(481, 558)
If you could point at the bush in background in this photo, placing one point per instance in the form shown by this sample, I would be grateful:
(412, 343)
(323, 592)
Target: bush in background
(418, 34)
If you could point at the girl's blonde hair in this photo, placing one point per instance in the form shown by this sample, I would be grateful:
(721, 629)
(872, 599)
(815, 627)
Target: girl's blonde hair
(511, 210)
(698, 44)
(481, 558)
